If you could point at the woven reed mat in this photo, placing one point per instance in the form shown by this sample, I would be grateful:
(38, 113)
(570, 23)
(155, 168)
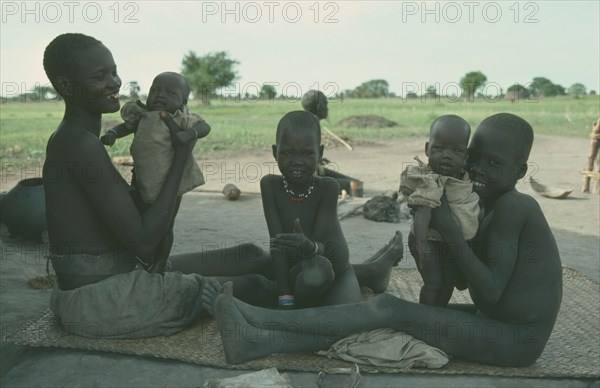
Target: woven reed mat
(572, 351)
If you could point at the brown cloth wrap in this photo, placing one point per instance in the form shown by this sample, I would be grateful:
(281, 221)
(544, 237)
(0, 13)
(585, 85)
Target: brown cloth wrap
(134, 304)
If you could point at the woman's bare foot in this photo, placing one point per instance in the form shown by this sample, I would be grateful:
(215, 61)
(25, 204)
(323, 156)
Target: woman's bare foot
(376, 274)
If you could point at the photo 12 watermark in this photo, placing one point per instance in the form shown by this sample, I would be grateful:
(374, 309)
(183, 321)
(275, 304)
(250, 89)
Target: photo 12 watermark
(254, 91)
(70, 11)
(270, 11)
(456, 92)
(470, 11)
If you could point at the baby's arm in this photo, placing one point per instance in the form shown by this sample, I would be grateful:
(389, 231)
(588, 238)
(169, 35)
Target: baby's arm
(117, 132)
(131, 114)
(199, 130)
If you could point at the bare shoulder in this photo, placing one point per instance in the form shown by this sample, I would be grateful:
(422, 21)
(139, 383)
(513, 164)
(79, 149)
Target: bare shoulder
(269, 181)
(515, 202)
(77, 144)
(328, 185)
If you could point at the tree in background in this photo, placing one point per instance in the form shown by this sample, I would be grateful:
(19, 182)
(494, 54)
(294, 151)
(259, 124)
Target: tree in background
(577, 90)
(545, 88)
(375, 88)
(471, 82)
(207, 73)
(519, 92)
(134, 90)
(431, 92)
(268, 92)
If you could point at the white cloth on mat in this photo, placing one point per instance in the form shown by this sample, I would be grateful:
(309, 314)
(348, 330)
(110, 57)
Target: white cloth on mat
(387, 348)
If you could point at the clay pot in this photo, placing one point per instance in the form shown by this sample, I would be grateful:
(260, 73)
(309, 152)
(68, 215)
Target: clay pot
(24, 209)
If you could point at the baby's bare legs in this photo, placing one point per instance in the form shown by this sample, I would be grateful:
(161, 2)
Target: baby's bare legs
(428, 258)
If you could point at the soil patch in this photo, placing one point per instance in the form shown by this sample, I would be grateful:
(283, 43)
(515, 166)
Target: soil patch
(367, 121)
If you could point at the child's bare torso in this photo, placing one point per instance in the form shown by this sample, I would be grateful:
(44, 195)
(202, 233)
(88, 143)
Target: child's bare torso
(534, 290)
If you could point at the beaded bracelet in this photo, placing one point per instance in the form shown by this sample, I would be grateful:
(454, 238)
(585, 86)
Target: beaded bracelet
(316, 250)
(286, 300)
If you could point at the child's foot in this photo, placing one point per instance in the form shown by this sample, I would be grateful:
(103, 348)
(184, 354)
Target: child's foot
(380, 252)
(241, 340)
(209, 293)
(376, 274)
(429, 295)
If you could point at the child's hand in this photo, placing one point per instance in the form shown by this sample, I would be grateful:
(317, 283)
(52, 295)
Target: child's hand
(441, 217)
(108, 138)
(296, 241)
(185, 136)
(179, 136)
(202, 129)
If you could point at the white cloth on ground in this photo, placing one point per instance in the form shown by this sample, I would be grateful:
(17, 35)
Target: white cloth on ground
(387, 348)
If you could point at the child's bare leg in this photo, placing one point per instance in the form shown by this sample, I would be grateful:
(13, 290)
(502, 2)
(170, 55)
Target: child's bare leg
(383, 251)
(451, 278)
(376, 273)
(427, 256)
(345, 289)
(249, 332)
(243, 341)
(281, 268)
(431, 271)
(253, 289)
(444, 294)
(314, 277)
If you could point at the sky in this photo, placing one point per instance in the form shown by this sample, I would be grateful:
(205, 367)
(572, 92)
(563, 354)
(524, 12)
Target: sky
(326, 45)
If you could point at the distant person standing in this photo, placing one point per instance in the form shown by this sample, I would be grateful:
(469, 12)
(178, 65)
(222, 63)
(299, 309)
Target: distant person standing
(315, 102)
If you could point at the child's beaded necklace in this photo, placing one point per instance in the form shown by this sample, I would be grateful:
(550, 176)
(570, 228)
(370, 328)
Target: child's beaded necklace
(300, 196)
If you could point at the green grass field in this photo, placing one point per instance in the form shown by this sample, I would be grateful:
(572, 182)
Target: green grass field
(25, 127)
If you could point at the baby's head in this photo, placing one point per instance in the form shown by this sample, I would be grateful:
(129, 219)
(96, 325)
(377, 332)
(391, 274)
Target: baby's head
(83, 72)
(298, 146)
(498, 153)
(447, 145)
(169, 92)
(315, 102)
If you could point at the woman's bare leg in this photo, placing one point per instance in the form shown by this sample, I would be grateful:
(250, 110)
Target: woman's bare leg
(246, 265)
(238, 260)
